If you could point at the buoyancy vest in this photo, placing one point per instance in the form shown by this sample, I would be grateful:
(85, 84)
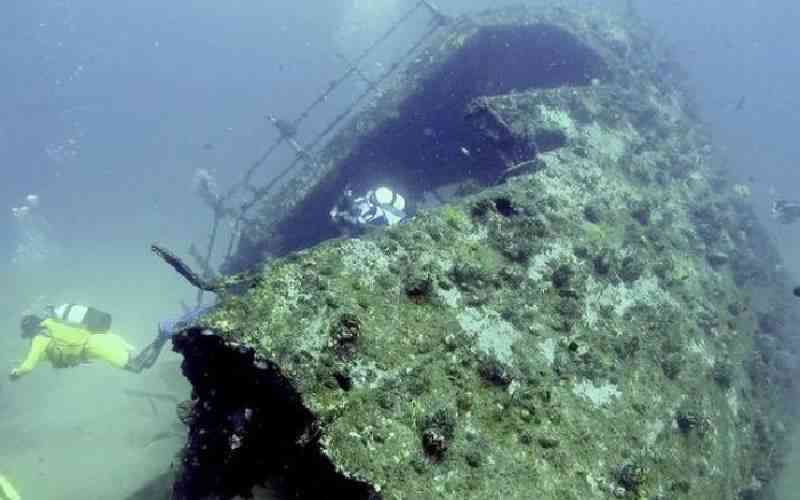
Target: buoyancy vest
(67, 346)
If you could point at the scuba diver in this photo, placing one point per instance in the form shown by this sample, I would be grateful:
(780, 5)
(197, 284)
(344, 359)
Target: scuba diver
(378, 207)
(70, 335)
(785, 211)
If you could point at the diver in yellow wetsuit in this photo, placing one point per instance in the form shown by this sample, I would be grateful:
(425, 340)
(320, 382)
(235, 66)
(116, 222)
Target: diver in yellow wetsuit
(66, 345)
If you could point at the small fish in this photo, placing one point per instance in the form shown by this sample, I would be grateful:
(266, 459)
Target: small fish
(465, 151)
(740, 103)
(208, 146)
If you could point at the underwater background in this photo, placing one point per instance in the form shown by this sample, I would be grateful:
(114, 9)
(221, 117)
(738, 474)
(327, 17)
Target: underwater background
(109, 111)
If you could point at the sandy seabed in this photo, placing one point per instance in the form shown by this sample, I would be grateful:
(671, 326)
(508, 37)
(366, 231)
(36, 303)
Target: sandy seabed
(89, 432)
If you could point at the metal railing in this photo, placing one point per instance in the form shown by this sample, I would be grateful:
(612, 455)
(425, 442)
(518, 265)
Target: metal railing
(224, 207)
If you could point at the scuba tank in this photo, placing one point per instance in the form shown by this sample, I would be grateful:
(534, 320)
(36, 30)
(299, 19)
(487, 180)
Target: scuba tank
(392, 204)
(90, 318)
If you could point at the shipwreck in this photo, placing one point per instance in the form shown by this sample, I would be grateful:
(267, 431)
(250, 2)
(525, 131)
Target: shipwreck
(589, 310)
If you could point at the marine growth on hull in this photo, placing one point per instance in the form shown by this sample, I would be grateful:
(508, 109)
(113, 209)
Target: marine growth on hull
(590, 310)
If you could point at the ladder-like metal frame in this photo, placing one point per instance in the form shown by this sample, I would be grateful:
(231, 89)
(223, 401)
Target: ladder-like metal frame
(287, 133)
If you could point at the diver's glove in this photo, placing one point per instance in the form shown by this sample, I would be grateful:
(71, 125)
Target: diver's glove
(7, 490)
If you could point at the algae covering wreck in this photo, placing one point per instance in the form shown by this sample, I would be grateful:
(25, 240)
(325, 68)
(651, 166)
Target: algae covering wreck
(594, 312)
